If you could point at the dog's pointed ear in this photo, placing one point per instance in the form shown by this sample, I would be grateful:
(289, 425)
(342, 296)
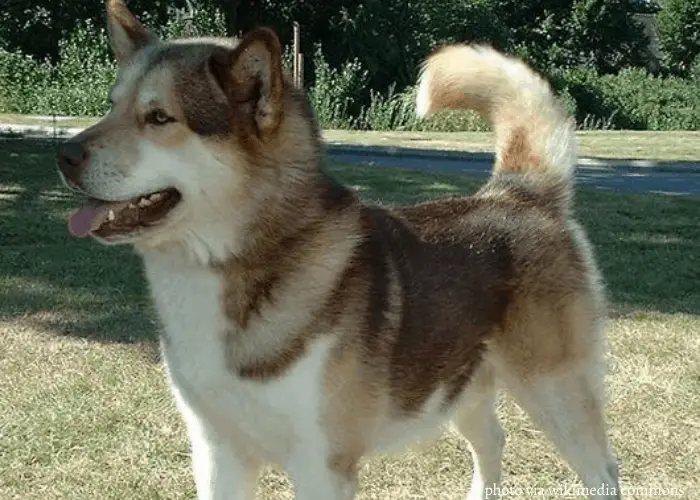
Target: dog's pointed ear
(252, 78)
(126, 33)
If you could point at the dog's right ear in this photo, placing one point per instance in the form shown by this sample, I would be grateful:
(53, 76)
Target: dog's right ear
(126, 33)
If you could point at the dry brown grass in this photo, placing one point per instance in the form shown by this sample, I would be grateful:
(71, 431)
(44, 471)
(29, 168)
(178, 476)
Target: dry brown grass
(86, 411)
(94, 420)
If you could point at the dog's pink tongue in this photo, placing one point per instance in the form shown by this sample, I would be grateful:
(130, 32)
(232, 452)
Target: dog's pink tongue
(81, 222)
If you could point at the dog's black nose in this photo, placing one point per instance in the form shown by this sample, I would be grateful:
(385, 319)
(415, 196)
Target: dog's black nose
(71, 157)
(72, 154)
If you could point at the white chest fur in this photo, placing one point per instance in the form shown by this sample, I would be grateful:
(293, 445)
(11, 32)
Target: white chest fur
(272, 417)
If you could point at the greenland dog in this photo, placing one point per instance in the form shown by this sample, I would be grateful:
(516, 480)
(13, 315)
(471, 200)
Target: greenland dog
(305, 329)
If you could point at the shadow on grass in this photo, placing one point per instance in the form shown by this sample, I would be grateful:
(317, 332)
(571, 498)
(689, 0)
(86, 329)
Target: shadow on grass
(67, 286)
(648, 247)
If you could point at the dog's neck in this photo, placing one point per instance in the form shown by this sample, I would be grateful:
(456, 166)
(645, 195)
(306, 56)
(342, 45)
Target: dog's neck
(256, 239)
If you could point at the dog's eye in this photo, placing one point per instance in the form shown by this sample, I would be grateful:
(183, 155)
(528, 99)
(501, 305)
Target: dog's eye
(158, 117)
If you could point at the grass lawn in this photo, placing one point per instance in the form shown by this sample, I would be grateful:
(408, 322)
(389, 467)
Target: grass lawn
(609, 144)
(659, 146)
(86, 411)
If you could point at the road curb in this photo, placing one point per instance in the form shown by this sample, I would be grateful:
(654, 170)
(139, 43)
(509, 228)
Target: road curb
(625, 166)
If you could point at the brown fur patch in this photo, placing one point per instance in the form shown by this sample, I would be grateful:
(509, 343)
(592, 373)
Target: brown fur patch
(275, 365)
(518, 154)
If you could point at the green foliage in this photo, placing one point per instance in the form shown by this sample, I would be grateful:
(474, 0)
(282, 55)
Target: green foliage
(350, 93)
(679, 33)
(77, 85)
(393, 111)
(632, 99)
(22, 82)
(36, 27)
(336, 91)
(201, 21)
(602, 34)
(695, 70)
(83, 75)
(599, 34)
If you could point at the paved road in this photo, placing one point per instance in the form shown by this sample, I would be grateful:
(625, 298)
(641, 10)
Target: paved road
(665, 178)
(670, 178)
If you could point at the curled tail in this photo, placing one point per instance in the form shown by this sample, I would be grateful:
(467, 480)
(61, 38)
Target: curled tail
(535, 137)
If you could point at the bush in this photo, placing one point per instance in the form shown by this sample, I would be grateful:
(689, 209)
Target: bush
(202, 21)
(83, 75)
(78, 83)
(336, 92)
(633, 99)
(695, 70)
(23, 82)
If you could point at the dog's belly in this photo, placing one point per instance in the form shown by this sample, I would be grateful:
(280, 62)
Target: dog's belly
(394, 434)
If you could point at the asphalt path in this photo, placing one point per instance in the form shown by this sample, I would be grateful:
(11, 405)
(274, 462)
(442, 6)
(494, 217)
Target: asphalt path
(632, 176)
(669, 178)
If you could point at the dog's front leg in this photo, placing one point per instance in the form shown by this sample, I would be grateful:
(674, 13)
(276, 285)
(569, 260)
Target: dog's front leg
(316, 478)
(220, 471)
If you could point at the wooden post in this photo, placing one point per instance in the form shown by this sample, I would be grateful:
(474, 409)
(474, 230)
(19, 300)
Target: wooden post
(297, 52)
(301, 71)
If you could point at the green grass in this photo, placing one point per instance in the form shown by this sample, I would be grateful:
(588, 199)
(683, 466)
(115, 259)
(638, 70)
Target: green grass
(86, 412)
(616, 145)
(619, 145)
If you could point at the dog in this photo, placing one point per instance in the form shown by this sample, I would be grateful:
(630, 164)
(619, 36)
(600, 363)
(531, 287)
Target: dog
(306, 329)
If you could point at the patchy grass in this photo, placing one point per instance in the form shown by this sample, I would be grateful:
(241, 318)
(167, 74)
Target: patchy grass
(48, 121)
(86, 412)
(659, 146)
(621, 145)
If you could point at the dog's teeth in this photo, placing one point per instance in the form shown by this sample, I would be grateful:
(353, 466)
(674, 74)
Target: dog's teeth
(110, 215)
(155, 196)
(144, 202)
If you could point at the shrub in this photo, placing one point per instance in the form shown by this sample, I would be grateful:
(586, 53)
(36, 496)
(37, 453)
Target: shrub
(202, 21)
(393, 111)
(83, 75)
(695, 70)
(336, 91)
(78, 83)
(633, 99)
(23, 81)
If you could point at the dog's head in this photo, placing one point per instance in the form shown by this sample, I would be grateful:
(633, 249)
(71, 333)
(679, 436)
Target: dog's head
(198, 132)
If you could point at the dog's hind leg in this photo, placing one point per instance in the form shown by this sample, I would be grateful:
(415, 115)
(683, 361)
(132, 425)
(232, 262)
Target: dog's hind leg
(568, 407)
(477, 421)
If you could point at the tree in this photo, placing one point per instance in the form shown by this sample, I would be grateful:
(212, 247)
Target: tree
(36, 26)
(601, 34)
(604, 35)
(679, 33)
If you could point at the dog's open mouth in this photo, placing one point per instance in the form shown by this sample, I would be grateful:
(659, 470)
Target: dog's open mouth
(107, 219)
